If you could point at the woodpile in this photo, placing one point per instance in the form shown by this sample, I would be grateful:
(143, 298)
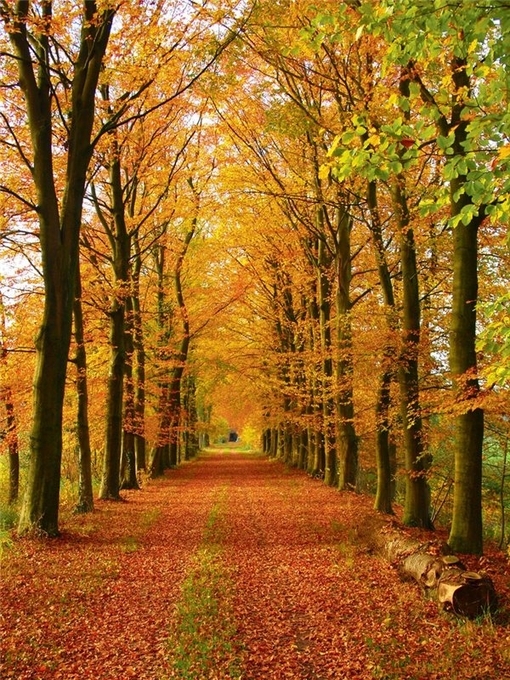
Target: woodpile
(442, 577)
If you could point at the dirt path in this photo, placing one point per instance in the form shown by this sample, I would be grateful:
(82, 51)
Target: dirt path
(231, 567)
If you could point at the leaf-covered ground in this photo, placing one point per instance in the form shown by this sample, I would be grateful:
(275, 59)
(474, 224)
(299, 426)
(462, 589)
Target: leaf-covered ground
(232, 567)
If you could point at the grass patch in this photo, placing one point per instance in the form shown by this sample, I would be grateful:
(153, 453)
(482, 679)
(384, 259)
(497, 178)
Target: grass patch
(8, 520)
(202, 636)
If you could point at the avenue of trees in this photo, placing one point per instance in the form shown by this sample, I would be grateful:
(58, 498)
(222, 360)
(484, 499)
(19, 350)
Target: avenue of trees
(286, 218)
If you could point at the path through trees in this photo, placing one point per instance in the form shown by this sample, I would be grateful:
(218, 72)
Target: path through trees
(231, 566)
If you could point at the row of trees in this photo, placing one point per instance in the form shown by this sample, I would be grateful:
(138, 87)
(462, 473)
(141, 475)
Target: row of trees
(104, 156)
(385, 151)
(314, 201)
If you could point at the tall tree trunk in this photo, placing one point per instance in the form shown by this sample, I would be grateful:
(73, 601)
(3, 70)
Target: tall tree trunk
(59, 228)
(139, 351)
(110, 481)
(466, 534)
(347, 441)
(159, 452)
(169, 409)
(385, 467)
(329, 413)
(417, 458)
(181, 356)
(128, 477)
(120, 242)
(315, 437)
(85, 501)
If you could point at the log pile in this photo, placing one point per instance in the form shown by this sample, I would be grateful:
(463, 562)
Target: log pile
(442, 577)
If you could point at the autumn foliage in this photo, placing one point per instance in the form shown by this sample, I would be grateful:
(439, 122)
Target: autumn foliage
(277, 221)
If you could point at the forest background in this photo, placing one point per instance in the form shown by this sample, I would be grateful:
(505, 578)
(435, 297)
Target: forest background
(286, 220)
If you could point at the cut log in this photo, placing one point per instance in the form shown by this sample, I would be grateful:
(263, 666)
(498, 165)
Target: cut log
(466, 593)
(442, 577)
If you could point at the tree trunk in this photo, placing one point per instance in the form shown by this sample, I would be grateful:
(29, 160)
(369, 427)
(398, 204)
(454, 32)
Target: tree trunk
(128, 470)
(385, 468)
(59, 228)
(316, 456)
(85, 501)
(110, 482)
(385, 472)
(329, 407)
(158, 454)
(11, 432)
(192, 441)
(466, 534)
(417, 459)
(347, 441)
(120, 242)
(139, 350)
(11, 435)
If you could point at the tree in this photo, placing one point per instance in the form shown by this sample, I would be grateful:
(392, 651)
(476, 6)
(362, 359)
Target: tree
(454, 40)
(85, 493)
(35, 43)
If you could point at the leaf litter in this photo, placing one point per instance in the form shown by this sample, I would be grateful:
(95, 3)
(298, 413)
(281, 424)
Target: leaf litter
(232, 566)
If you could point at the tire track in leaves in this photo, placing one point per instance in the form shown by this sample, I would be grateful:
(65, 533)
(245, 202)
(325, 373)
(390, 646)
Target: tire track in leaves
(202, 639)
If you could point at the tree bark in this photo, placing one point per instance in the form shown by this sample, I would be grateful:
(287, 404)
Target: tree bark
(11, 434)
(159, 452)
(11, 431)
(328, 401)
(417, 460)
(120, 242)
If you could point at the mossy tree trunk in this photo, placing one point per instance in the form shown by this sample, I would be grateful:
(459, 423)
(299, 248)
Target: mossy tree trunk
(417, 458)
(466, 534)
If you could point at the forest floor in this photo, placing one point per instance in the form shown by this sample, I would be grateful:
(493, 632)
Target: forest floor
(232, 566)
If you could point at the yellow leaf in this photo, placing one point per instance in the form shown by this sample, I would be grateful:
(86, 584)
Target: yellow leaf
(324, 171)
